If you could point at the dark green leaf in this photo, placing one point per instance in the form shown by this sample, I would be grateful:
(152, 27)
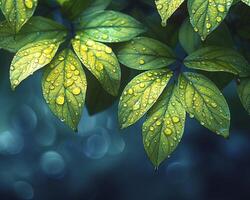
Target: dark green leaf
(244, 93)
(109, 26)
(145, 53)
(218, 59)
(38, 28)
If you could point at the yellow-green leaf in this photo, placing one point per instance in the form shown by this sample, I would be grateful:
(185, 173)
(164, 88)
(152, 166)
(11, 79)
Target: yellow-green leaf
(166, 8)
(141, 94)
(204, 101)
(206, 15)
(18, 12)
(244, 93)
(31, 58)
(164, 126)
(100, 61)
(64, 87)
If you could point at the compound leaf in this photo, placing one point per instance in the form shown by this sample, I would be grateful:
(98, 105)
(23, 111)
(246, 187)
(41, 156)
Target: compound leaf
(18, 12)
(141, 94)
(31, 58)
(206, 15)
(218, 59)
(244, 93)
(167, 8)
(64, 87)
(100, 61)
(144, 53)
(204, 101)
(164, 126)
(109, 26)
(37, 28)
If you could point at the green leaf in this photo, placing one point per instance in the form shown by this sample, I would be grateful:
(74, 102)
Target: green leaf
(64, 87)
(18, 12)
(246, 2)
(164, 126)
(244, 93)
(167, 34)
(206, 15)
(31, 58)
(141, 94)
(100, 61)
(204, 101)
(74, 8)
(218, 59)
(96, 5)
(190, 40)
(144, 53)
(109, 26)
(38, 28)
(167, 8)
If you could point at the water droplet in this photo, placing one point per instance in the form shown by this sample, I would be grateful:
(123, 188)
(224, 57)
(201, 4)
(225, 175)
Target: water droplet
(60, 100)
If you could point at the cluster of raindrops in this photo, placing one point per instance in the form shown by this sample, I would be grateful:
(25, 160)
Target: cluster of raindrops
(98, 58)
(215, 14)
(63, 77)
(31, 58)
(141, 93)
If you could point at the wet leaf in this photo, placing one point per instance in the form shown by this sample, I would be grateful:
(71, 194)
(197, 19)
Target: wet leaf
(218, 59)
(100, 61)
(206, 15)
(18, 12)
(164, 126)
(144, 53)
(141, 94)
(64, 87)
(244, 93)
(31, 58)
(167, 8)
(204, 101)
(37, 28)
(109, 26)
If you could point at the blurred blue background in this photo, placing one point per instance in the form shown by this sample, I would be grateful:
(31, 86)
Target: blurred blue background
(41, 159)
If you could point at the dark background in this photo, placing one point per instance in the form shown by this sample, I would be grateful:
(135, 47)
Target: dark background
(41, 159)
